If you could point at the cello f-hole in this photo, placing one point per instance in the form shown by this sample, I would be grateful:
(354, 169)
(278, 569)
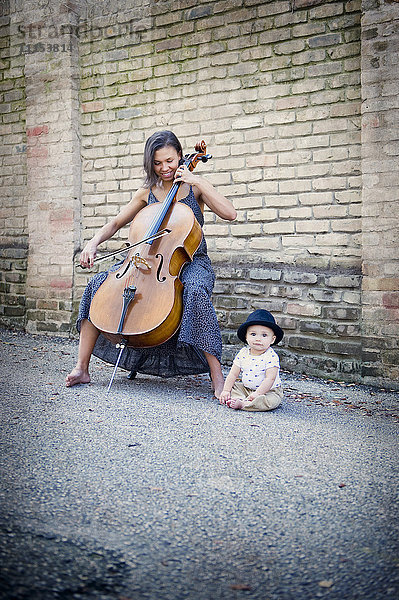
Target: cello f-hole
(161, 280)
(120, 275)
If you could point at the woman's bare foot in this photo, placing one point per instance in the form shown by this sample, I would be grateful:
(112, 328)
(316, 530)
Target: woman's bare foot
(216, 374)
(77, 376)
(217, 385)
(235, 403)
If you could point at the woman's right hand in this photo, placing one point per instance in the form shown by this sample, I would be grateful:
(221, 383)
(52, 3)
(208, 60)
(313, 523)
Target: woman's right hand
(88, 255)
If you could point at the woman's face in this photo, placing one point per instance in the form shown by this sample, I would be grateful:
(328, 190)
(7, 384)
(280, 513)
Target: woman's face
(166, 161)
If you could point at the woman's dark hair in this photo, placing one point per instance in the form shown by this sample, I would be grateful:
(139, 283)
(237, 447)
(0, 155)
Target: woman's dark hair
(155, 142)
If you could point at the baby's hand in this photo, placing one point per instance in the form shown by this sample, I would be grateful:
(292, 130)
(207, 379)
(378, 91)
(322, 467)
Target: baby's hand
(252, 397)
(224, 397)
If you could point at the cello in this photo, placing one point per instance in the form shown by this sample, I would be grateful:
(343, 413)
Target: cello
(141, 303)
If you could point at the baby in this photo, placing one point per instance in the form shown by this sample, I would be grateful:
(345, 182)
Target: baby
(260, 387)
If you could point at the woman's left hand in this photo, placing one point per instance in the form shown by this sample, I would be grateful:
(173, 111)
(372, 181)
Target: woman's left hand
(185, 175)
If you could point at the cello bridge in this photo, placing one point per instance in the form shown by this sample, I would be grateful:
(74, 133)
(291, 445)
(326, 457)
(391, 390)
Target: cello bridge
(138, 260)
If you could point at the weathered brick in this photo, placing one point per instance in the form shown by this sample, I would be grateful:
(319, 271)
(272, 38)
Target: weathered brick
(343, 281)
(268, 243)
(299, 277)
(311, 226)
(230, 302)
(350, 314)
(303, 212)
(285, 291)
(94, 106)
(325, 295)
(303, 309)
(279, 227)
(265, 274)
(306, 343)
(265, 214)
(297, 241)
(344, 347)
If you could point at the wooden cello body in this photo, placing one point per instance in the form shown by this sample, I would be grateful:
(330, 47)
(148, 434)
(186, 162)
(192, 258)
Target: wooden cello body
(141, 302)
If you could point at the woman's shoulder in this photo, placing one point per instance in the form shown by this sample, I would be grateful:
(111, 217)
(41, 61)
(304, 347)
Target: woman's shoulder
(142, 193)
(140, 197)
(197, 194)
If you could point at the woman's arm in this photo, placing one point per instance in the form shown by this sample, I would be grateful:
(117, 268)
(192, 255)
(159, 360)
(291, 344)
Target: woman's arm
(214, 200)
(220, 205)
(109, 229)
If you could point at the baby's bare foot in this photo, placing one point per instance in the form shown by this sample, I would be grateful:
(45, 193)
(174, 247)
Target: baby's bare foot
(77, 376)
(235, 403)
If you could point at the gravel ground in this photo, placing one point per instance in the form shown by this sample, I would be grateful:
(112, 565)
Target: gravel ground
(156, 492)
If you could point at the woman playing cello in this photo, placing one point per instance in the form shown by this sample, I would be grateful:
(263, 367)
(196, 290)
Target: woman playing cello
(197, 346)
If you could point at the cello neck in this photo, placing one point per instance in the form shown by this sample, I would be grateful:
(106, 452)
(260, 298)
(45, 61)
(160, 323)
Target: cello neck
(190, 161)
(163, 209)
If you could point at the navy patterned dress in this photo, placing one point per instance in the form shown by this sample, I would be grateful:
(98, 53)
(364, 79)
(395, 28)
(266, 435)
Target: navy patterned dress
(199, 331)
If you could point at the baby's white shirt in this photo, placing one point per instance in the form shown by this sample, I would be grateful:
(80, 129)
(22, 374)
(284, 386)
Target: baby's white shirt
(253, 368)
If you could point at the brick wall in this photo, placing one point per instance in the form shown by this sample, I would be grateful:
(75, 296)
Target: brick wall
(380, 205)
(275, 90)
(13, 209)
(53, 163)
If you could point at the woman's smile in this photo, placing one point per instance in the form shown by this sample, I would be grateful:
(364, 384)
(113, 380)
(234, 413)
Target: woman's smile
(168, 174)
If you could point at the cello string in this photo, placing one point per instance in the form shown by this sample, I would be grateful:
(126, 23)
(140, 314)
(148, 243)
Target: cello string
(164, 207)
(161, 213)
(159, 217)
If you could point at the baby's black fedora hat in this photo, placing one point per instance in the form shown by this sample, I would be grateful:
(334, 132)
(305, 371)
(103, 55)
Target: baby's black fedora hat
(260, 317)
